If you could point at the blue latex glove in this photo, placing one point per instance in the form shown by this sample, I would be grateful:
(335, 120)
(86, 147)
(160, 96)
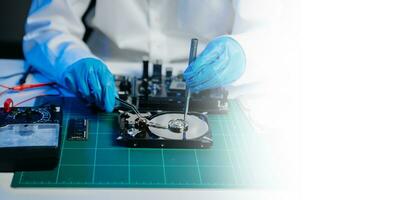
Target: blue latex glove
(221, 63)
(93, 81)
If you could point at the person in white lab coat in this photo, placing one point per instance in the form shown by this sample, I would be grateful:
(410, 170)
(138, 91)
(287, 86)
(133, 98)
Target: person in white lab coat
(131, 29)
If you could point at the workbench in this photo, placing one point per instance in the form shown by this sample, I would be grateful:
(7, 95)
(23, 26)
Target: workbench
(6, 192)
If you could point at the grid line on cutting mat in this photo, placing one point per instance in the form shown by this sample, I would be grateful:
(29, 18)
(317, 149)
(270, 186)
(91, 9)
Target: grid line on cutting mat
(98, 162)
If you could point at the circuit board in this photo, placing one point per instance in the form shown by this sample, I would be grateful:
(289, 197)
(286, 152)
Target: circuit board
(237, 159)
(167, 93)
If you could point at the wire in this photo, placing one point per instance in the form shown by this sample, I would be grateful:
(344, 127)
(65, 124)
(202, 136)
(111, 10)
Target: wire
(24, 77)
(20, 88)
(15, 74)
(31, 98)
(11, 75)
(24, 87)
(4, 86)
(30, 86)
(2, 92)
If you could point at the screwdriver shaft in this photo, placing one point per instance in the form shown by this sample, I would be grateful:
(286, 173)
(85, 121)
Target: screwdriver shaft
(186, 104)
(192, 57)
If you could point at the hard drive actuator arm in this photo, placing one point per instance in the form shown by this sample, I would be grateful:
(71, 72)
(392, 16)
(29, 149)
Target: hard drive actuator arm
(137, 118)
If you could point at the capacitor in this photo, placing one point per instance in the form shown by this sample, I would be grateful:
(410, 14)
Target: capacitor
(145, 74)
(145, 77)
(134, 90)
(169, 72)
(157, 72)
(125, 85)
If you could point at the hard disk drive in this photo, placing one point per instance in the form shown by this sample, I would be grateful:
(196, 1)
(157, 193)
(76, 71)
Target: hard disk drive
(164, 130)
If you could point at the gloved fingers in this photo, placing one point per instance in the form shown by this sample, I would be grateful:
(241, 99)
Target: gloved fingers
(109, 97)
(206, 85)
(206, 58)
(108, 90)
(211, 74)
(83, 87)
(210, 79)
(203, 76)
(192, 77)
(95, 87)
(75, 81)
(203, 69)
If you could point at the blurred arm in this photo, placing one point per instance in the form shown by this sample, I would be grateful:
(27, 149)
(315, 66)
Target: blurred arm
(53, 39)
(253, 30)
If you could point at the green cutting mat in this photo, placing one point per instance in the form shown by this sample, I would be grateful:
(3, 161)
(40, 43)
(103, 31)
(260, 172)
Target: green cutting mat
(237, 158)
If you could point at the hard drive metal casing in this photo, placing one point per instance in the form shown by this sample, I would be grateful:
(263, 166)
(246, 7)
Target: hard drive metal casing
(147, 139)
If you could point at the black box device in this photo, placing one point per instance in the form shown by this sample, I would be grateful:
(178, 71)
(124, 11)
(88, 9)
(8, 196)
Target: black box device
(29, 138)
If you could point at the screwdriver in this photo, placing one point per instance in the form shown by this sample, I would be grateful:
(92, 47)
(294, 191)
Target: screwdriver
(192, 57)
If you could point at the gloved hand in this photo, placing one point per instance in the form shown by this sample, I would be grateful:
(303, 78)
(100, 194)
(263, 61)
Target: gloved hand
(93, 81)
(221, 62)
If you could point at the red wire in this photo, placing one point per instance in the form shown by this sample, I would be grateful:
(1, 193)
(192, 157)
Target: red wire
(24, 87)
(27, 86)
(4, 86)
(31, 98)
(1, 93)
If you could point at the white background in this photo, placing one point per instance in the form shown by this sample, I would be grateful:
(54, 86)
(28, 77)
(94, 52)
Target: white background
(356, 102)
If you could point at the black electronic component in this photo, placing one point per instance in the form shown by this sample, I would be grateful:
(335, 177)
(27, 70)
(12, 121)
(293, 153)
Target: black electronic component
(169, 73)
(134, 92)
(145, 74)
(157, 72)
(77, 130)
(144, 84)
(169, 76)
(123, 87)
(30, 138)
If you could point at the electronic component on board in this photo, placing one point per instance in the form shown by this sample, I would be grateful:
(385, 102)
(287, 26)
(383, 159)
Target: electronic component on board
(169, 73)
(168, 94)
(77, 130)
(157, 72)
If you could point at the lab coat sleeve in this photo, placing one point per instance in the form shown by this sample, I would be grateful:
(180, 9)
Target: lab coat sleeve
(253, 29)
(53, 38)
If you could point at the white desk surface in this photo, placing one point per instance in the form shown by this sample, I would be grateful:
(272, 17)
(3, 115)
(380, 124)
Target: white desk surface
(6, 192)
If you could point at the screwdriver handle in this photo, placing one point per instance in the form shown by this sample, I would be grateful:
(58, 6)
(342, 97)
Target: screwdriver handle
(193, 50)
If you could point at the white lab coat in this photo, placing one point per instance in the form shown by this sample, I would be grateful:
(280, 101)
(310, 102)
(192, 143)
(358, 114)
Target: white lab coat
(131, 29)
